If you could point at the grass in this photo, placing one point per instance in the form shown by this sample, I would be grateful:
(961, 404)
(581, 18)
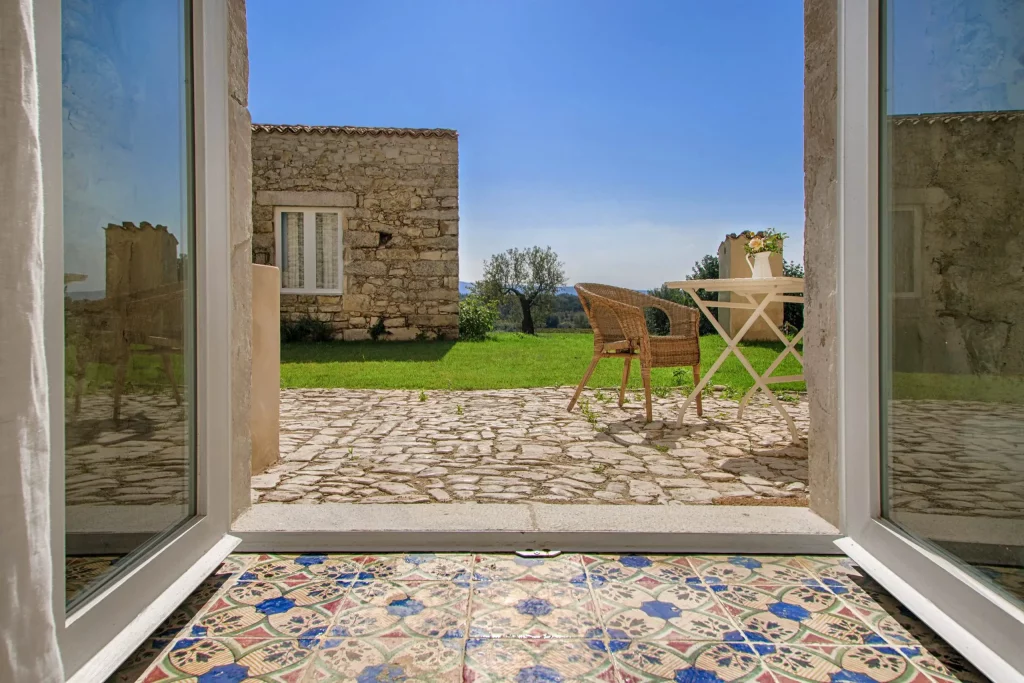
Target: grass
(504, 361)
(935, 387)
(145, 373)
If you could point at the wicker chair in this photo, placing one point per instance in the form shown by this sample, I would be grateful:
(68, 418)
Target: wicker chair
(620, 331)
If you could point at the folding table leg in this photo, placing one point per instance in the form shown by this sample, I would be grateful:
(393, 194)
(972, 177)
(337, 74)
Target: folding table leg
(789, 349)
(731, 347)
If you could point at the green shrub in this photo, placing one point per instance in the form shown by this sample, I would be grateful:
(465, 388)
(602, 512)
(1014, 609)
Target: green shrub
(476, 317)
(306, 329)
(378, 331)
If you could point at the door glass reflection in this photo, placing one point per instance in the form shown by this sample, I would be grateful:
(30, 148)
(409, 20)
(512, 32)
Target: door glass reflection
(952, 279)
(128, 274)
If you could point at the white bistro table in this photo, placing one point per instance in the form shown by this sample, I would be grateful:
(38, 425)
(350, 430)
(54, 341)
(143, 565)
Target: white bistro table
(752, 294)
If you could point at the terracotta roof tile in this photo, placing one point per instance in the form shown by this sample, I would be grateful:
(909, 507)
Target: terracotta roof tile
(957, 117)
(357, 130)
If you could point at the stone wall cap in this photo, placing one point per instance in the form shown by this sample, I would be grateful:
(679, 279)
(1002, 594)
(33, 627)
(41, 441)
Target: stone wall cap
(957, 117)
(357, 130)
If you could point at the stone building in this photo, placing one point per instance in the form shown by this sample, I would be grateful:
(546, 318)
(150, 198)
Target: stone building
(139, 258)
(732, 263)
(392, 194)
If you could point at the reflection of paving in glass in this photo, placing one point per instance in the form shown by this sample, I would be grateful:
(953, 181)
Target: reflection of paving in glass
(497, 618)
(957, 458)
(520, 445)
(81, 571)
(141, 461)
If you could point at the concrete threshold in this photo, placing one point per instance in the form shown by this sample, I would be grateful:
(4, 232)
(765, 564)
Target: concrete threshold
(348, 527)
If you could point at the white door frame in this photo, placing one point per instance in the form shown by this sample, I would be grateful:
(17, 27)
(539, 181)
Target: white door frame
(983, 625)
(97, 636)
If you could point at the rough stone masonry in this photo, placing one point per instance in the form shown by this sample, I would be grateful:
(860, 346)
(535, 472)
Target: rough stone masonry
(398, 191)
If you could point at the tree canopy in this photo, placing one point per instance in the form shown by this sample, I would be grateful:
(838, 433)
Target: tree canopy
(528, 276)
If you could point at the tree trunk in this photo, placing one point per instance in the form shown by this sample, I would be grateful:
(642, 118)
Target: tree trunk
(527, 305)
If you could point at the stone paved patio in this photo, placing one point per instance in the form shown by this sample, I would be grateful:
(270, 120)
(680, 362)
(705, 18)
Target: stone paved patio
(956, 458)
(520, 445)
(963, 458)
(141, 461)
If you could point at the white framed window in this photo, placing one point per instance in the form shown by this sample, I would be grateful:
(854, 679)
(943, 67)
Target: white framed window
(309, 249)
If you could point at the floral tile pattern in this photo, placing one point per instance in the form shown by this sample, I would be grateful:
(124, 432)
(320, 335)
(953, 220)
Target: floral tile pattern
(432, 609)
(751, 570)
(532, 610)
(655, 610)
(627, 568)
(318, 618)
(207, 659)
(420, 567)
(838, 663)
(536, 661)
(685, 661)
(255, 610)
(515, 568)
(296, 569)
(795, 614)
(388, 659)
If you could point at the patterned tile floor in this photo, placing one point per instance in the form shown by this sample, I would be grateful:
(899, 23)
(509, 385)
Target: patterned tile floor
(476, 618)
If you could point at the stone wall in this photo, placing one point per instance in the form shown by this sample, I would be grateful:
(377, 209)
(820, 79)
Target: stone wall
(398, 189)
(821, 253)
(240, 209)
(958, 180)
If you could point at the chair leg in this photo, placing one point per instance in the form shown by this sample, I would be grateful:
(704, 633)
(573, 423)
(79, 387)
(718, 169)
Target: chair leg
(625, 380)
(169, 373)
(120, 373)
(645, 373)
(80, 368)
(583, 382)
(696, 381)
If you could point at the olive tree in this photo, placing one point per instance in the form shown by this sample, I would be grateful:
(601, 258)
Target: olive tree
(529, 276)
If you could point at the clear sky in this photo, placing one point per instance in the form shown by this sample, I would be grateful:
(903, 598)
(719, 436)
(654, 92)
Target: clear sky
(629, 136)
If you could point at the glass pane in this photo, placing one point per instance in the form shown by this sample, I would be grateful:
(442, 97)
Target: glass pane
(328, 233)
(129, 282)
(292, 242)
(952, 303)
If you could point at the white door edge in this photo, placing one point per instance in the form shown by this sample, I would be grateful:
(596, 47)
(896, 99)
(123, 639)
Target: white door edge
(106, 661)
(970, 646)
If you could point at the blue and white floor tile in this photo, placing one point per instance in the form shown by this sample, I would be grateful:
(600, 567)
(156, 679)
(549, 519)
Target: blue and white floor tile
(483, 618)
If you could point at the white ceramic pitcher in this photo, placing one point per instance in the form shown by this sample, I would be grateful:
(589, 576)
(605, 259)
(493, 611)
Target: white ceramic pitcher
(760, 267)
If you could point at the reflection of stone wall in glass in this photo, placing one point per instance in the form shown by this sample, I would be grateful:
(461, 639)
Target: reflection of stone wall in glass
(965, 175)
(140, 258)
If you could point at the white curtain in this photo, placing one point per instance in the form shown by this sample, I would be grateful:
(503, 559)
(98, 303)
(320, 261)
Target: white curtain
(28, 644)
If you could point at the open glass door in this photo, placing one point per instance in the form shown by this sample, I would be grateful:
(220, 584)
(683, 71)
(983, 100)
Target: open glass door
(932, 219)
(137, 236)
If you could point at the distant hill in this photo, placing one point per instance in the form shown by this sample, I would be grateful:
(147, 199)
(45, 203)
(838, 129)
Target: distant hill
(87, 296)
(464, 289)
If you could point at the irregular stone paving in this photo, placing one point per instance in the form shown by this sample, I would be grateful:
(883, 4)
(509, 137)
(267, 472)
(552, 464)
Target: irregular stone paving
(142, 461)
(520, 445)
(959, 458)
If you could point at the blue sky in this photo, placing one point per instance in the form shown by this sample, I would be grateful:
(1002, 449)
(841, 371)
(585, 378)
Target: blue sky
(124, 126)
(630, 137)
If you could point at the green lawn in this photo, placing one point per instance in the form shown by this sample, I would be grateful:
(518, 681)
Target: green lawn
(145, 373)
(505, 361)
(986, 388)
